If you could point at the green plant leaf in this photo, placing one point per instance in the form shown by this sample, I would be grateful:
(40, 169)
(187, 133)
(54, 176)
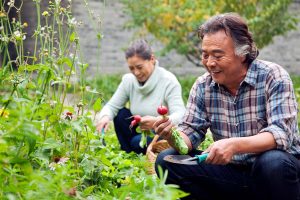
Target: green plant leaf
(72, 37)
(97, 105)
(51, 143)
(105, 161)
(89, 190)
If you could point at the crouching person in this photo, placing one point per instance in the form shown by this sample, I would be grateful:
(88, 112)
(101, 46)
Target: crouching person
(250, 107)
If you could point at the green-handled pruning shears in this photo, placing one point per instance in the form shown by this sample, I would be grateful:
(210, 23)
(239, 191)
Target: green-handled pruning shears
(199, 158)
(186, 159)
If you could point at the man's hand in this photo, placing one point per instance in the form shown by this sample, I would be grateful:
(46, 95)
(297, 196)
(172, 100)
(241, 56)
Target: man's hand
(163, 127)
(103, 123)
(221, 151)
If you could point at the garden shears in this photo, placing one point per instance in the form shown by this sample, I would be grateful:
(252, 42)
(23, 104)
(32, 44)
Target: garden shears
(186, 159)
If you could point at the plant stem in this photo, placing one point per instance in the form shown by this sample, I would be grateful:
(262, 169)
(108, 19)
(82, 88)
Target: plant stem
(9, 100)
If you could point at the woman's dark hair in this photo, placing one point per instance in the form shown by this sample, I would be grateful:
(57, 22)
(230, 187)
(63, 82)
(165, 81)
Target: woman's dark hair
(139, 48)
(234, 25)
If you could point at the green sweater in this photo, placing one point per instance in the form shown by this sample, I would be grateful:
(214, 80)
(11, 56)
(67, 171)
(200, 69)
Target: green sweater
(162, 88)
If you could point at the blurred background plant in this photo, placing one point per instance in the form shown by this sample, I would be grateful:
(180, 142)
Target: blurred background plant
(174, 22)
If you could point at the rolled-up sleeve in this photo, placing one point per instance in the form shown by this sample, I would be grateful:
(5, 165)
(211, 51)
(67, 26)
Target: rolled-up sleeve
(281, 112)
(195, 121)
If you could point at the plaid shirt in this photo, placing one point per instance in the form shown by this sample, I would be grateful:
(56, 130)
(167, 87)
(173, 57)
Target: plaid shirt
(265, 102)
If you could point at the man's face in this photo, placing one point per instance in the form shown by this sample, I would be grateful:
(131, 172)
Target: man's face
(219, 58)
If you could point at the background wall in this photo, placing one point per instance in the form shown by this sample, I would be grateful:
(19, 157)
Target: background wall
(285, 50)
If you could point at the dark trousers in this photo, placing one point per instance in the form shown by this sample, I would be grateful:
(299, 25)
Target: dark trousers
(274, 175)
(128, 138)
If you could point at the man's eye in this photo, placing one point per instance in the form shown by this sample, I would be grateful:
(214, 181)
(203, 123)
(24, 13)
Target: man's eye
(204, 56)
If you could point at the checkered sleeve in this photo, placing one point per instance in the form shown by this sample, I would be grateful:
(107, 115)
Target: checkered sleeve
(281, 111)
(195, 121)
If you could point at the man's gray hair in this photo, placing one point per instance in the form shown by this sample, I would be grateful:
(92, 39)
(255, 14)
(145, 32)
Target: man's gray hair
(235, 26)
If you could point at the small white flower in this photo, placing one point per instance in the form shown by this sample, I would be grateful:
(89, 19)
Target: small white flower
(17, 34)
(52, 166)
(4, 39)
(11, 3)
(73, 22)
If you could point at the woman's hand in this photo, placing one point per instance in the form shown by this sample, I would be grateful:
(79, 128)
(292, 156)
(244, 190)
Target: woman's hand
(103, 124)
(147, 122)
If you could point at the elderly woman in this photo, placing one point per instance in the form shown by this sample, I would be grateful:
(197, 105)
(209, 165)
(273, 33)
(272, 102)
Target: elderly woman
(146, 87)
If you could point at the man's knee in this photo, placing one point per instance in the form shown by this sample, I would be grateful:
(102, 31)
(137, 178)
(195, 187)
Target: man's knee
(160, 159)
(275, 164)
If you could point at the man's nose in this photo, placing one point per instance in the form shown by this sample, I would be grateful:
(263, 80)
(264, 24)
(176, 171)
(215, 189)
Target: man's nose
(211, 61)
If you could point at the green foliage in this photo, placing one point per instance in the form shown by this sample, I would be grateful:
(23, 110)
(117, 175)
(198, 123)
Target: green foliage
(208, 140)
(296, 82)
(151, 188)
(49, 146)
(186, 83)
(179, 142)
(106, 85)
(174, 22)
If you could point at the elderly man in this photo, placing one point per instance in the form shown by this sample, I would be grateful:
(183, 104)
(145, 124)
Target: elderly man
(250, 107)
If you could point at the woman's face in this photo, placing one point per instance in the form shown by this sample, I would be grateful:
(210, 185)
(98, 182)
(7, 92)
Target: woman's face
(140, 68)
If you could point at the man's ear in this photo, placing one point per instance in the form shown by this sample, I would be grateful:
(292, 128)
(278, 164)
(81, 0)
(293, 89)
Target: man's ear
(153, 59)
(243, 58)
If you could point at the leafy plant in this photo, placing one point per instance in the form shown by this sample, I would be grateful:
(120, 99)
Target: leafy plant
(49, 146)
